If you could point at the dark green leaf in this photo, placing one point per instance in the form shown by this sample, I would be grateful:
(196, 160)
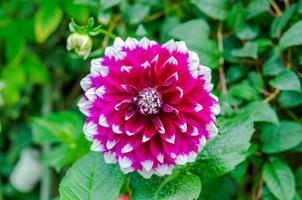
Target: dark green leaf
(279, 179)
(244, 91)
(178, 186)
(273, 65)
(280, 138)
(223, 153)
(290, 99)
(91, 178)
(280, 22)
(286, 80)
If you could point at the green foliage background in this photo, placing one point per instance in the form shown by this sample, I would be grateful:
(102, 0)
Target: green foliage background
(253, 48)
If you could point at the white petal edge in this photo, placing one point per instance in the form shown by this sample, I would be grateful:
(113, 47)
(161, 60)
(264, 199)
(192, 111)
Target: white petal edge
(110, 157)
(147, 164)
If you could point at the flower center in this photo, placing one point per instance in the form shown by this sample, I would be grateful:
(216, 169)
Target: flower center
(148, 101)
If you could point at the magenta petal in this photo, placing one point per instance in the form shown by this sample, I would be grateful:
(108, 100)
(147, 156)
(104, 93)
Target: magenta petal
(134, 125)
(158, 125)
(171, 80)
(123, 104)
(170, 109)
(130, 89)
(129, 113)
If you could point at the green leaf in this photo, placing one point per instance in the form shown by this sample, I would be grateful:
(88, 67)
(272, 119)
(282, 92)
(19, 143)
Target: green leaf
(256, 80)
(105, 4)
(280, 22)
(207, 51)
(247, 32)
(298, 176)
(91, 178)
(249, 50)
(292, 37)
(261, 112)
(47, 20)
(168, 24)
(273, 65)
(236, 18)
(178, 186)
(286, 80)
(290, 99)
(195, 33)
(136, 13)
(280, 138)
(35, 69)
(244, 91)
(191, 31)
(279, 179)
(57, 127)
(216, 9)
(223, 153)
(256, 7)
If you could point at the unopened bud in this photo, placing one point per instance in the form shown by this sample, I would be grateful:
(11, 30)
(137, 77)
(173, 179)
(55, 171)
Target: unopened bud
(81, 43)
(27, 171)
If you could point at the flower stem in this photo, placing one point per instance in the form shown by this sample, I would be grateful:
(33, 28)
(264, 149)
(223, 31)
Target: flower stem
(276, 7)
(221, 59)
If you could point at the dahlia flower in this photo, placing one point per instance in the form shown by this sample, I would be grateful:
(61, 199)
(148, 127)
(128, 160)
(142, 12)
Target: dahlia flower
(148, 106)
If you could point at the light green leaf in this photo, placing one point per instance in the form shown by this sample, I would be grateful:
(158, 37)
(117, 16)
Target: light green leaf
(280, 22)
(279, 179)
(207, 51)
(247, 32)
(256, 7)
(57, 127)
(217, 9)
(290, 99)
(280, 138)
(286, 80)
(292, 37)
(91, 178)
(249, 50)
(47, 20)
(105, 4)
(261, 112)
(191, 31)
(223, 153)
(178, 186)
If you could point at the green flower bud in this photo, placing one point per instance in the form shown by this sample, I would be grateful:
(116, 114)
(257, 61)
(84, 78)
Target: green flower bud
(81, 43)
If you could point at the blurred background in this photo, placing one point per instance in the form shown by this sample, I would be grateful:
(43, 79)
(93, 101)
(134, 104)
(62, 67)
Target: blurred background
(252, 46)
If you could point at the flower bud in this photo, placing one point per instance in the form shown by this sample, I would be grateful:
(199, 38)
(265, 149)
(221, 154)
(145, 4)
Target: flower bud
(27, 171)
(81, 43)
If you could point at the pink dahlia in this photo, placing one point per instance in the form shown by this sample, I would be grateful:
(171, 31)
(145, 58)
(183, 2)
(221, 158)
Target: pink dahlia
(148, 106)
